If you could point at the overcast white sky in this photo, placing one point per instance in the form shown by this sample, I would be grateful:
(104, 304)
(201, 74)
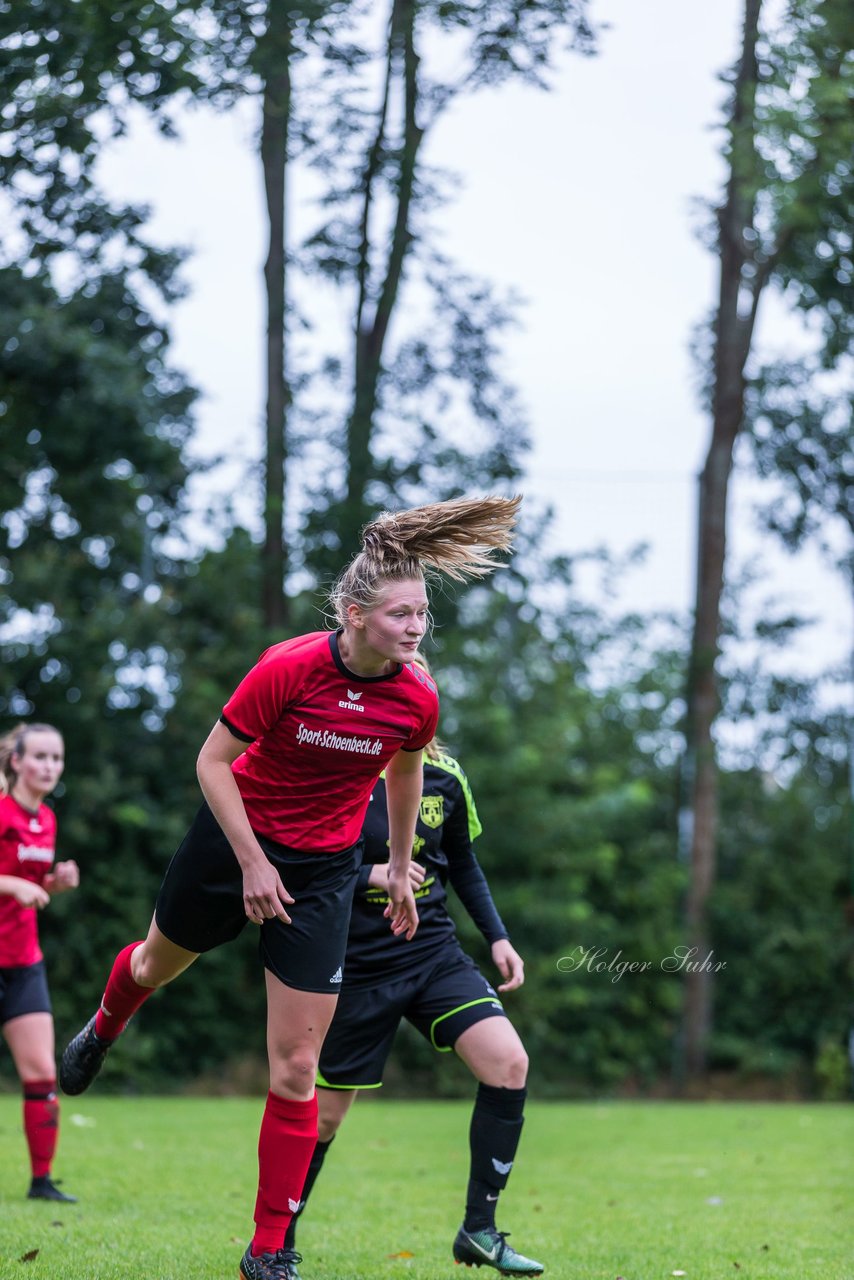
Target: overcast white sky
(581, 199)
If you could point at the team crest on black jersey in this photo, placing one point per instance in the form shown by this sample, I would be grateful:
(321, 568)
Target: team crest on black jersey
(432, 811)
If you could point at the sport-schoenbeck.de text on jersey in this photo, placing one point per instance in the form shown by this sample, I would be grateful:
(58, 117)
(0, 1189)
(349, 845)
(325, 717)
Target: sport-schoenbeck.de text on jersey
(327, 738)
(34, 853)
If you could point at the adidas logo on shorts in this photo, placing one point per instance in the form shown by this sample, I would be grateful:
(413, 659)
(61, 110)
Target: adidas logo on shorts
(337, 975)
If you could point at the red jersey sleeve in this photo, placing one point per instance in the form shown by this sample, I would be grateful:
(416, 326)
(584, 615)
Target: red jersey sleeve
(428, 709)
(263, 693)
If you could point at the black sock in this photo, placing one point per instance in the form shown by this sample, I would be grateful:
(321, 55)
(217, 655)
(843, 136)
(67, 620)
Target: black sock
(496, 1126)
(318, 1156)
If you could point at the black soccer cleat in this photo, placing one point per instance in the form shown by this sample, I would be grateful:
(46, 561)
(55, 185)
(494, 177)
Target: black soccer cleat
(46, 1189)
(82, 1059)
(489, 1248)
(281, 1265)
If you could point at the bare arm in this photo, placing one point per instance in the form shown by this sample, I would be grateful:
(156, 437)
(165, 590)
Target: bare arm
(64, 876)
(26, 892)
(263, 891)
(404, 781)
(509, 963)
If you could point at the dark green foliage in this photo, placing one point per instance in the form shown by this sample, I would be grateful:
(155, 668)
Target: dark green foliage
(69, 75)
(577, 820)
(799, 410)
(801, 433)
(805, 145)
(783, 221)
(91, 485)
(780, 918)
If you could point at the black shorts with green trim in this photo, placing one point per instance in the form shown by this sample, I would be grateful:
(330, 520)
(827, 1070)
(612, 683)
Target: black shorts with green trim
(200, 904)
(441, 999)
(23, 989)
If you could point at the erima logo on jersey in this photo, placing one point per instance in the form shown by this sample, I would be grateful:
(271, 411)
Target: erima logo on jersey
(337, 975)
(353, 704)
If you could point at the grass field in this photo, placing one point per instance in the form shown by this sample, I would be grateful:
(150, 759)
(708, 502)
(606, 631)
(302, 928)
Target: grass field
(642, 1191)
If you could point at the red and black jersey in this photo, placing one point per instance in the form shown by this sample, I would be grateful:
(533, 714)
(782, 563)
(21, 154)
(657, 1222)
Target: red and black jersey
(319, 737)
(447, 825)
(27, 850)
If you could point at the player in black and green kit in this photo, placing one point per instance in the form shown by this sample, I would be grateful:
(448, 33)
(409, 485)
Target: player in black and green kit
(438, 988)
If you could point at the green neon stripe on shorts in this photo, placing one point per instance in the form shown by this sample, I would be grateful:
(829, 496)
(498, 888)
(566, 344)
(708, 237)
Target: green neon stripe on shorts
(324, 1084)
(447, 1048)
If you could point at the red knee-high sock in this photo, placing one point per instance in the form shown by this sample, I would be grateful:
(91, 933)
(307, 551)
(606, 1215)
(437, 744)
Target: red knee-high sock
(122, 997)
(41, 1123)
(285, 1146)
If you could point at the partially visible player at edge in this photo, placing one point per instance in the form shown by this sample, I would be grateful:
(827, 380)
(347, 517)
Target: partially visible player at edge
(286, 776)
(441, 992)
(32, 757)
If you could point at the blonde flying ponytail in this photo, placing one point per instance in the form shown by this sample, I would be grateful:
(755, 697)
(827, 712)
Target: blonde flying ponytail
(456, 538)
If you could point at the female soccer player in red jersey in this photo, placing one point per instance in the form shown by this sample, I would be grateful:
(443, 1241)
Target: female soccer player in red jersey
(32, 757)
(286, 775)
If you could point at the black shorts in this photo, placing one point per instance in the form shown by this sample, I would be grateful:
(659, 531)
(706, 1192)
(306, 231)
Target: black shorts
(442, 999)
(23, 989)
(200, 904)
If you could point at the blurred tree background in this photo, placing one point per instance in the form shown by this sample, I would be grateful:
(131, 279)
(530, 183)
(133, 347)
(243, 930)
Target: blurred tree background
(126, 620)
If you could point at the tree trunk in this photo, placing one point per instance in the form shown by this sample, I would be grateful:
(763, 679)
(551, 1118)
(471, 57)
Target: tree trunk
(371, 331)
(734, 324)
(274, 53)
